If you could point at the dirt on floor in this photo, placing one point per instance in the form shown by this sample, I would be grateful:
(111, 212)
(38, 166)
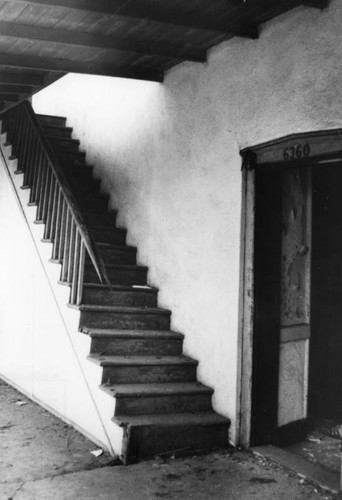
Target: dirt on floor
(42, 458)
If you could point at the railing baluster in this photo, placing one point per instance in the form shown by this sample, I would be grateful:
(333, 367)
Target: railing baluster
(35, 150)
(66, 246)
(71, 251)
(29, 157)
(75, 268)
(46, 196)
(54, 211)
(24, 145)
(41, 192)
(63, 232)
(36, 176)
(58, 224)
(81, 264)
(49, 206)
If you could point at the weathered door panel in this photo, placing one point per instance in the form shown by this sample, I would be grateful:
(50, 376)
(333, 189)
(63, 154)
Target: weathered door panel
(294, 296)
(282, 303)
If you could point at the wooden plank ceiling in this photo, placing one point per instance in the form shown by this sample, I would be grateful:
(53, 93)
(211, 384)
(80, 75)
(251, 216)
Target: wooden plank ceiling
(42, 40)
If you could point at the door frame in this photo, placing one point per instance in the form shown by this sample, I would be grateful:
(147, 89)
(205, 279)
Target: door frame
(308, 148)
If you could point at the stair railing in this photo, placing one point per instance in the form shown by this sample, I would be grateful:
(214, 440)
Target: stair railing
(51, 192)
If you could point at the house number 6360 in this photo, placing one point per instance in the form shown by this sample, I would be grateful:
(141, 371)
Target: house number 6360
(296, 152)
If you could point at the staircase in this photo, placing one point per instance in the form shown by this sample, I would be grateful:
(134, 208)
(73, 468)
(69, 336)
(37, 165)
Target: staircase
(158, 400)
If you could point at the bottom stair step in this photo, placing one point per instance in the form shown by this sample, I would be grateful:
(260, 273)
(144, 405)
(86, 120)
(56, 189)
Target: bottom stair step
(137, 399)
(149, 435)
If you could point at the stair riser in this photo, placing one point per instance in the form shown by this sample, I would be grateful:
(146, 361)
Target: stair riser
(118, 298)
(136, 347)
(91, 187)
(116, 256)
(63, 133)
(148, 374)
(124, 321)
(188, 403)
(143, 442)
(55, 121)
(64, 145)
(95, 203)
(118, 276)
(76, 158)
(109, 235)
(100, 218)
(72, 170)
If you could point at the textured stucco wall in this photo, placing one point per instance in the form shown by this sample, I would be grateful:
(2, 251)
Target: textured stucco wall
(169, 156)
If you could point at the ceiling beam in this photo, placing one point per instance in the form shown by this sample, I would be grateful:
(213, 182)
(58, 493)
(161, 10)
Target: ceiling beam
(158, 13)
(68, 66)
(21, 79)
(8, 97)
(15, 89)
(318, 4)
(77, 38)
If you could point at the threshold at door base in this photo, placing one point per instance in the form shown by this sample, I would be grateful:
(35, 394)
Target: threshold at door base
(323, 477)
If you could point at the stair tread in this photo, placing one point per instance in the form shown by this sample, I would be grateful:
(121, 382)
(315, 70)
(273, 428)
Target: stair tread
(120, 266)
(141, 360)
(45, 125)
(157, 389)
(62, 139)
(109, 246)
(96, 210)
(205, 418)
(41, 115)
(123, 288)
(121, 309)
(113, 333)
(107, 228)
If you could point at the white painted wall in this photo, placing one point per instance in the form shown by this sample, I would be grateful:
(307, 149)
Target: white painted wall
(169, 157)
(41, 351)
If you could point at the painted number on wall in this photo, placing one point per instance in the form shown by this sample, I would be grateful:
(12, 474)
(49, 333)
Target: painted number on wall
(296, 152)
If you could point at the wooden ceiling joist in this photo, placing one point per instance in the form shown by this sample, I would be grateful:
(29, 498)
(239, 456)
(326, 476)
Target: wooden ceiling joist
(76, 38)
(8, 97)
(318, 4)
(159, 13)
(15, 89)
(68, 66)
(21, 79)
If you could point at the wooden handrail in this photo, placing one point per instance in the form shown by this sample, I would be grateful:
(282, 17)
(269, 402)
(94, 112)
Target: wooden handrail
(56, 192)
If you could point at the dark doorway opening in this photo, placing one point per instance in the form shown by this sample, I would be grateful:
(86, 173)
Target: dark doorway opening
(297, 352)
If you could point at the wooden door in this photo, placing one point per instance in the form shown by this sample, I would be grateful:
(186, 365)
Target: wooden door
(295, 288)
(282, 303)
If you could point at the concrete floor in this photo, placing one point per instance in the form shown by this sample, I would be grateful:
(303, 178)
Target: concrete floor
(42, 458)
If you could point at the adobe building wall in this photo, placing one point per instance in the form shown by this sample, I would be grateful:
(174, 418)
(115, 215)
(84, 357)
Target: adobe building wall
(168, 155)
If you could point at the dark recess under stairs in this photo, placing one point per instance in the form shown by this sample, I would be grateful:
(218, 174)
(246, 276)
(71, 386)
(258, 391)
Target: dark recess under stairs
(159, 402)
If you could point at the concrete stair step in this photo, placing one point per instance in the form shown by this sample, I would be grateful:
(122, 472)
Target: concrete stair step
(56, 121)
(138, 399)
(149, 435)
(135, 342)
(123, 318)
(119, 274)
(128, 296)
(146, 369)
